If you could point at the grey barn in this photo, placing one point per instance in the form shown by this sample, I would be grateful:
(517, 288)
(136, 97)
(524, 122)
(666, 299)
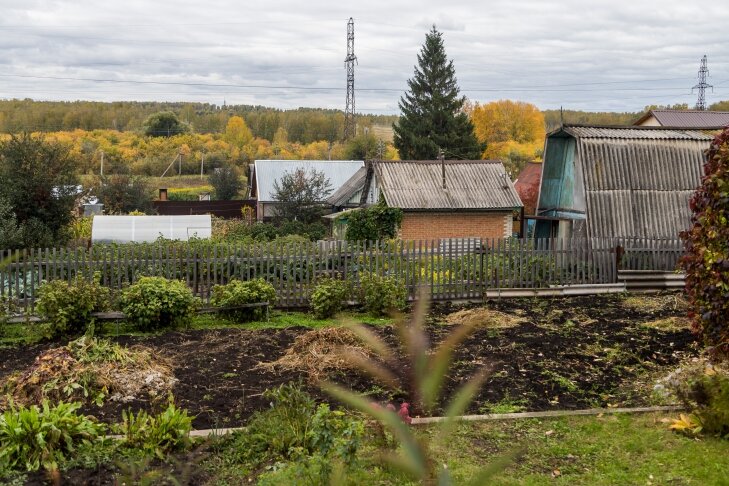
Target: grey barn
(626, 182)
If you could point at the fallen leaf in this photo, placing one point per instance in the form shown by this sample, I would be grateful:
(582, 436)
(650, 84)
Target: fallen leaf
(549, 432)
(556, 473)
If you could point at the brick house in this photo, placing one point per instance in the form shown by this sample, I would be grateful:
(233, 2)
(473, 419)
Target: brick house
(444, 199)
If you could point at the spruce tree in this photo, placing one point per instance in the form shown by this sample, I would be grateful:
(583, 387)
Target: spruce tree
(432, 116)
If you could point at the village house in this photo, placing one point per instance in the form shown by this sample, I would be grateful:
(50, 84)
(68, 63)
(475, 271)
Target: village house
(265, 173)
(440, 199)
(698, 119)
(625, 182)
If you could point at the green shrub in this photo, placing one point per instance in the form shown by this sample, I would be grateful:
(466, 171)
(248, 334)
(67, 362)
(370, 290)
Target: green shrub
(237, 293)
(31, 438)
(703, 388)
(68, 305)
(155, 302)
(329, 297)
(156, 434)
(380, 295)
(295, 429)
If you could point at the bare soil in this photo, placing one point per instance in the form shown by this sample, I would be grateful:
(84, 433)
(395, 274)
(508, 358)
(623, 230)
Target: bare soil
(562, 353)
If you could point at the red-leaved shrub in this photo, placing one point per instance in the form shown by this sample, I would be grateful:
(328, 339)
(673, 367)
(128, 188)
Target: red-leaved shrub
(707, 251)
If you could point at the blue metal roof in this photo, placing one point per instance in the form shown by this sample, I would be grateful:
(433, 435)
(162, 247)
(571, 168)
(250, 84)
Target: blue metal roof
(266, 172)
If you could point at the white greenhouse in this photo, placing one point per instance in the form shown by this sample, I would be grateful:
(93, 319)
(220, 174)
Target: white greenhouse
(125, 229)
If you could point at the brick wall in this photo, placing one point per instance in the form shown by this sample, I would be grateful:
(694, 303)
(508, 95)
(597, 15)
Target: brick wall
(431, 225)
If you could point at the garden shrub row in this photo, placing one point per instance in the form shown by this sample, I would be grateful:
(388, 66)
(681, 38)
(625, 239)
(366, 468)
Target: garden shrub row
(150, 303)
(377, 294)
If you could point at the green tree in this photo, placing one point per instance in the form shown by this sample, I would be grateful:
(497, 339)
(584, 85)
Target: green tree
(362, 147)
(432, 110)
(226, 182)
(122, 194)
(300, 195)
(39, 187)
(164, 124)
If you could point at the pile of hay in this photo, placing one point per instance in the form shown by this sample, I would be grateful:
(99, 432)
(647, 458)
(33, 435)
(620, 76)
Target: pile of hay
(320, 352)
(673, 323)
(91, 371)
(656, 303)
(483, 317)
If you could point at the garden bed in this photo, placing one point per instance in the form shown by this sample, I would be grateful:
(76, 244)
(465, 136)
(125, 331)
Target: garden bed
(544, 354)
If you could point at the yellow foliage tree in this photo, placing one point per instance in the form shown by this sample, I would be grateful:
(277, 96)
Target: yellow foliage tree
(237, 132)
(514, 131)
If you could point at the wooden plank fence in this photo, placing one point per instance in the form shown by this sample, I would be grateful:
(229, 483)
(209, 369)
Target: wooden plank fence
(452, 269)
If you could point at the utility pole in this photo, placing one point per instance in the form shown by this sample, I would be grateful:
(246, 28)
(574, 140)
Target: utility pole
(380, 149)
(350, 124)
(202, 165)
(102, 163)
(179, 165)
(702, 85)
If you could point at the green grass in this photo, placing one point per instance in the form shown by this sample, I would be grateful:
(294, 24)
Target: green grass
(16, 334)
(608, 450)
(614, 449)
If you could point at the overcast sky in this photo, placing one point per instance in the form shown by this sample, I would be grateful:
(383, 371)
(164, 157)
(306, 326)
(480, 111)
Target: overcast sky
(616, 55)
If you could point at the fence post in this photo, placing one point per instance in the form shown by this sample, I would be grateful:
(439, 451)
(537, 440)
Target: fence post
(619, 252)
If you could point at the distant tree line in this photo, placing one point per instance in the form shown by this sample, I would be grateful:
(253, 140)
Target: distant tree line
(302, 125)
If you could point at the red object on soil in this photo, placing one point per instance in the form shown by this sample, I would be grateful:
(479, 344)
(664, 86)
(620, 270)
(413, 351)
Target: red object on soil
(404, 413)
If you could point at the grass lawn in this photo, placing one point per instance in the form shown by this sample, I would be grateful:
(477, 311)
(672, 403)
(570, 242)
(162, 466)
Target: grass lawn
(608, 450)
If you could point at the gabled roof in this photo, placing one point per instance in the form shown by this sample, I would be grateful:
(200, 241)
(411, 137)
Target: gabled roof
(631, 133)
(688, 118)
(634, 181)
(469, 185)
(266, 172)
(349, 189)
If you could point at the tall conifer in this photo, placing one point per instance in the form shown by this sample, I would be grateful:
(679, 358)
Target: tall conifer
(432, 116)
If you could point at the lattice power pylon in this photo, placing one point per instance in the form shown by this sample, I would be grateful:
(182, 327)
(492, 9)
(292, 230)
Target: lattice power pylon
(703, 74)
(350, 124)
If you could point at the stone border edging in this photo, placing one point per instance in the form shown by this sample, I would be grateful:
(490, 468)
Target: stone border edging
(493, 416)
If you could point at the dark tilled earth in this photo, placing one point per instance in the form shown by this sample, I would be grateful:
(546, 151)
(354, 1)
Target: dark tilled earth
(565, 353)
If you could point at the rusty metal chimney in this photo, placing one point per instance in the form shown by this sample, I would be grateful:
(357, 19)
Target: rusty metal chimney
(441, 156)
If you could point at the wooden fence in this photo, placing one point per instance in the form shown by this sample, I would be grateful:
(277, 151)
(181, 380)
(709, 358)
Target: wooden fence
(454, 269)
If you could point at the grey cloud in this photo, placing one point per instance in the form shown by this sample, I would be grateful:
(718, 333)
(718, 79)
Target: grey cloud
(500, 49)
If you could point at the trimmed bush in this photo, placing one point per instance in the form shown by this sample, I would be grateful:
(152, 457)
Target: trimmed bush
(706, 262)
(35, 437)
(68, 306)
(237, 293)
(329, 297)
(155, 302)
(380, 295)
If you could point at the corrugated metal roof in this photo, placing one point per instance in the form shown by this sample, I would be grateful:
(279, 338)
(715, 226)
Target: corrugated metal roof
(639, 187)
(470, 184)
(691, 118)
(269, 171)
(635, 133)
(354, 184)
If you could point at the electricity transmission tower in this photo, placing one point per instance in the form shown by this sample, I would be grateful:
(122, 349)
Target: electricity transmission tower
(703, 73)
(350, 125)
